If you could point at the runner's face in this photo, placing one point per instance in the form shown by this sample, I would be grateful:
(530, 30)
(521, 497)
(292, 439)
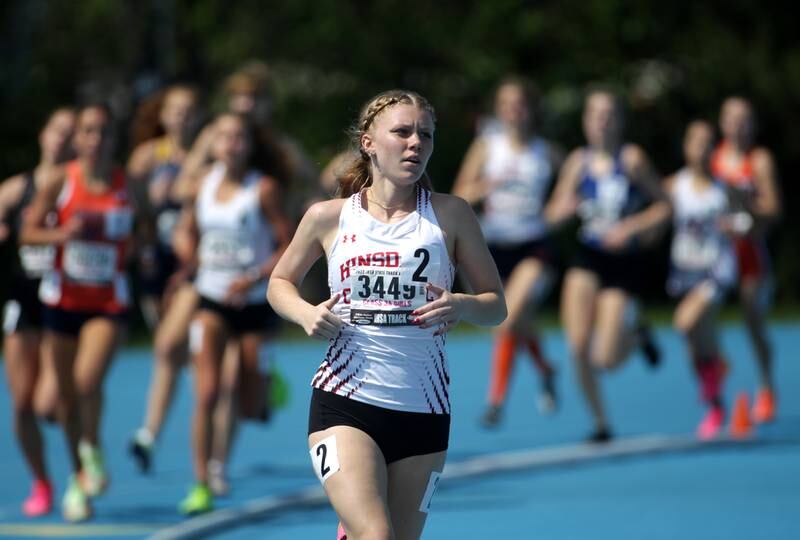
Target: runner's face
(255, 106)
(94, 136)
(736, 121)
(400, 141)
(232, 144)
(601, 121)
(56, 136)
(242, 103)
(511, 107)
(697, 144)
(177, 111)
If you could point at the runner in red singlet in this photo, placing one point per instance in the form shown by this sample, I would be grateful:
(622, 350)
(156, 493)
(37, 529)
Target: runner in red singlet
(749, 170)
(86, 293)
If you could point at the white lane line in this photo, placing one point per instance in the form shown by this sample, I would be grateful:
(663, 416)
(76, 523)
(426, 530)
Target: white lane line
(533, 458)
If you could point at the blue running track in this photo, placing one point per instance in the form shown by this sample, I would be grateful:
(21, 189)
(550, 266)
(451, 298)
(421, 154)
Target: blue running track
(530, 478)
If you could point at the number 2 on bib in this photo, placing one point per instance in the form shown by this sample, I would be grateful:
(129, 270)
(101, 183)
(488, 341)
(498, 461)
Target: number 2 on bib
(426, 257)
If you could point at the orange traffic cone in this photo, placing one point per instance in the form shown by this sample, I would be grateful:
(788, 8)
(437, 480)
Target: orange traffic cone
(741, 425)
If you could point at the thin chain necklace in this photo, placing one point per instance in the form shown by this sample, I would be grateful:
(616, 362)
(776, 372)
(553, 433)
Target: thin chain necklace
(390, 208)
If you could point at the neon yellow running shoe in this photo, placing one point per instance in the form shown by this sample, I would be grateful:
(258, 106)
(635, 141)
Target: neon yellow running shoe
(198, 501)
(75, 505)
(94, 478)
(278, 389)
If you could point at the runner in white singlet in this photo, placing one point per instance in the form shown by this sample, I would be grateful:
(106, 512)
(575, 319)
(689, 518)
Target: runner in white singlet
(240, 229)
(381, 271)
(507, 173)
(379, 419)
(702, 265)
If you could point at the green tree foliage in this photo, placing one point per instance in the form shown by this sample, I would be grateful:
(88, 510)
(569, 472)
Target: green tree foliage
(674, 61)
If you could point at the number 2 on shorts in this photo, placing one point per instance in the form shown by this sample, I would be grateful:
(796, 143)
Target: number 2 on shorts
(325, 457)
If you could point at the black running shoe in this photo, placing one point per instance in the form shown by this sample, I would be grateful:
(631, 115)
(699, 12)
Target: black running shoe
(141, 454)
(491, 418)
(650, 350)
(599, 436)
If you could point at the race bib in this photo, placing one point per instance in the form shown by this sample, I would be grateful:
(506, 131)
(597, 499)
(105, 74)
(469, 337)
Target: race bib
(694, 252)
(433, 482)
(386, 295)
(92, 262)
(603, 212)
(515, 197)
(50, 288)
(36, 260)
(226, 250)
(11, 314)
(118, 223)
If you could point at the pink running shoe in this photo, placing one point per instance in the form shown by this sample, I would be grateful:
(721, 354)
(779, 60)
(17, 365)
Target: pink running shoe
(40, 501)
(340, 534)
(712, 424)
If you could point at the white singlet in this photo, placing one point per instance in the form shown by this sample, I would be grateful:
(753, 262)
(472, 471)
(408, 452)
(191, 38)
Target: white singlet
(700, 250)
(518, 184)
(234, 237)
(380, 357)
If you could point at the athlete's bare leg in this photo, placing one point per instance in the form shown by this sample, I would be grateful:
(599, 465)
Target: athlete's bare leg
(578, 300)
(524, 290)
(45, 398)
(60, 350)
(695, 318)
(171, 353)
(358, 492)
(97, 342)
(225, 421)
(208, 365)
(23, 369)
(521, 295)
(408, 481)
(614, 336)
(755, 318)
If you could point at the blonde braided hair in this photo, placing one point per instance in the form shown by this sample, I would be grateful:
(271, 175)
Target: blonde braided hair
(358, 174)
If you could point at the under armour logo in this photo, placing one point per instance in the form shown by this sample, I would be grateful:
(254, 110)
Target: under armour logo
(352, 238)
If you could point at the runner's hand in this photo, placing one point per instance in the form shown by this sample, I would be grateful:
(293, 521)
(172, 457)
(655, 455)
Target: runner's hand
(237, 291)
(618, 237)
(73, 229)
(321, 322)
(444, 311)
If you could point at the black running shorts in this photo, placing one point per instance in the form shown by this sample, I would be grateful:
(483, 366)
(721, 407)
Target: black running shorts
(398, 434)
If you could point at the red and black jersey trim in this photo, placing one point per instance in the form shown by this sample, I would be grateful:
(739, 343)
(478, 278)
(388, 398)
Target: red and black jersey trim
(347, 379)
(354, 389)
(335, 371)
(334, 353)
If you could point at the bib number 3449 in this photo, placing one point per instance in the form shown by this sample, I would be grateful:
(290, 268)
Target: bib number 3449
(387, 296)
